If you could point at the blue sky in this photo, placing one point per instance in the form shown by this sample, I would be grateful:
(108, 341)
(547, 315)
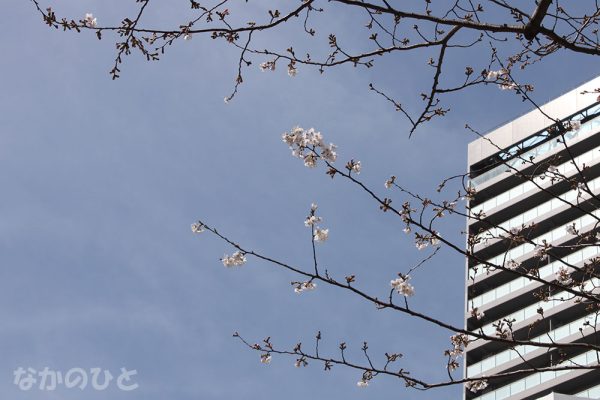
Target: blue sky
(101, 180)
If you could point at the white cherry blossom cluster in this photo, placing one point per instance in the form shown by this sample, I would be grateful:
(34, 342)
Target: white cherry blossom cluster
(502, 78)
(515, 230)
(512, 264)
(300, 362)
(267, 66)
(469, 194)
(308, 145)
(198, 227)
(353, 166)
(563, 276)
(541, 251)
(300, 287)
(571, 230)
(292, 70)
(477, 314)
(574, 125)
(312, 220)
(402, 286)
(390, 182)
(446, 205)
(459, 342)
(364, 381)
(476, 386)
(479, 215)
(90, 21)
(422, 241)
(493, 75)
(504, 328)
(581, 189)
(405, 213)
(508, 86)
(320, 234)
(453, 365)
(237, 259)
(553, 169)
(265, 358)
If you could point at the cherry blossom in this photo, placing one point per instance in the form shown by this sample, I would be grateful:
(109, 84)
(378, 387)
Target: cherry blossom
(493, 75)
(321, 235)
(363, 383)
(563, 276)
(459, 342)
(197, 227)
(477, 314)
(421, 245)
(300, 287)
(390, 182)
(292, 70)
(476, 386)
(540, 251)
(515, 230)
(309, 146)
(504, 328)
(508, 86)
(300, 362)
(353, 166)
(235, 260)
(422, 241)
(267, 66)
(328, 153)
(402, 286)
(453, 365)
(310, 160)
(90, 21)
(575, 125)
(571, 230)
(265, 358)
(312, 220)
(512, 264)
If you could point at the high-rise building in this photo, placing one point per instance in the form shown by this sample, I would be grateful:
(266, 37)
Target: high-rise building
(510, 170)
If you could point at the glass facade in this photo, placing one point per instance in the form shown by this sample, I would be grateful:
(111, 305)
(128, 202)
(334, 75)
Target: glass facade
(537, 151)
(584, 223)
(567, 169)
(537, 378)
(521, 282)
(503, 295)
